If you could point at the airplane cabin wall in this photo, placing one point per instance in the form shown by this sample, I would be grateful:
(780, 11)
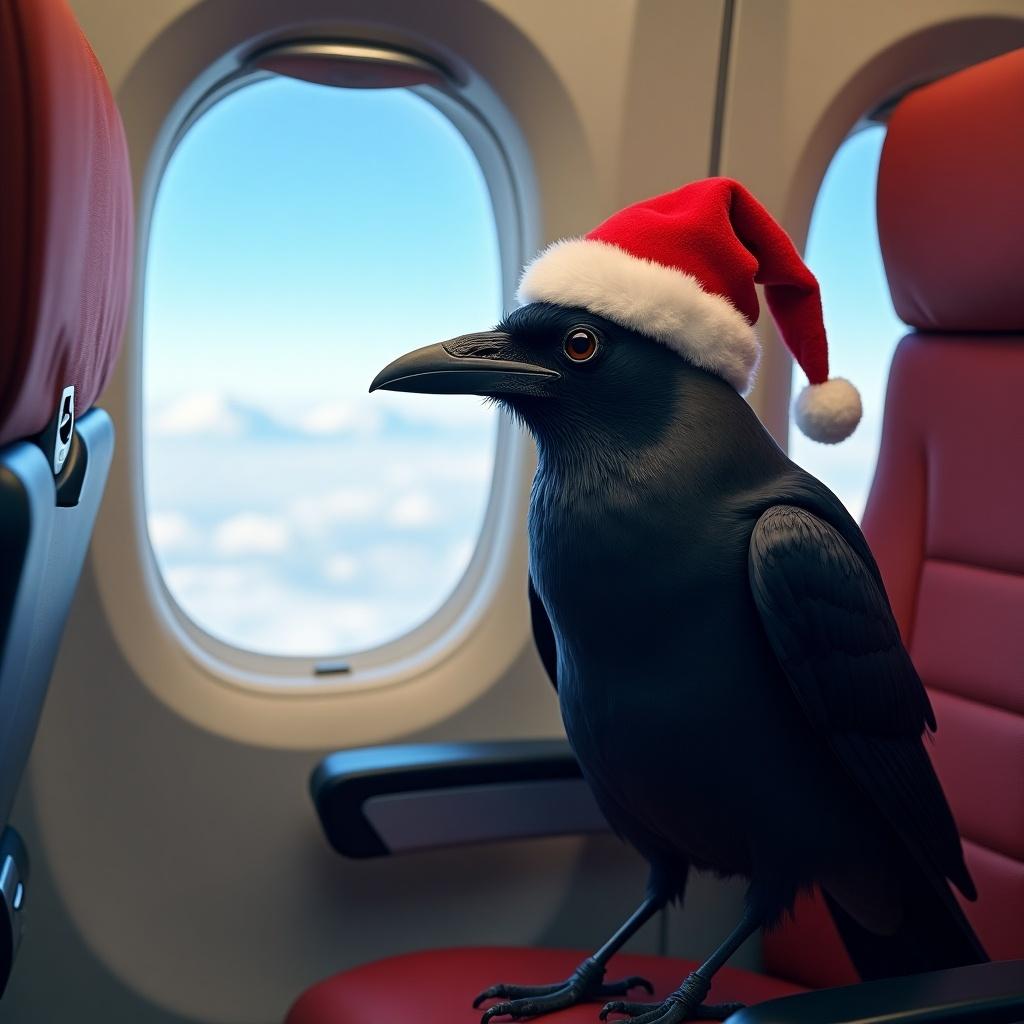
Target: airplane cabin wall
(179, 874)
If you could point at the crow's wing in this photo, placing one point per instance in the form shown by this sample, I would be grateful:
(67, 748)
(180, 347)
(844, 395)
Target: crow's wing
(830, 625)
(543, 635)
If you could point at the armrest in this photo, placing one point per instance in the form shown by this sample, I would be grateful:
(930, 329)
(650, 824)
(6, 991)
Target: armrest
(981, 994)
(382, 800)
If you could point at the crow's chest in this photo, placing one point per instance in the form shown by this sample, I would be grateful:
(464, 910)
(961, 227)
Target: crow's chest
(654, 623)
(626, 582)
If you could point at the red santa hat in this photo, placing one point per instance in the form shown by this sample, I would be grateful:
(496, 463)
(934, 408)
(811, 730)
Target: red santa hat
(681, 268)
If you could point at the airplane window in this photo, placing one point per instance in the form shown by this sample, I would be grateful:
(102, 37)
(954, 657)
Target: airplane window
(863, 329)
(302, 237)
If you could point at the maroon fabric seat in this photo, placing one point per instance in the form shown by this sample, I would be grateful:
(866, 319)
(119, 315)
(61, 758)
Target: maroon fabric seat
(65, 268)
(65, 218)
(945, 521)
(443, 982)
(65, 279)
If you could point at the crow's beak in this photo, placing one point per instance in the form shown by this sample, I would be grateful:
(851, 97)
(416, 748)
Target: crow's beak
(468, 365)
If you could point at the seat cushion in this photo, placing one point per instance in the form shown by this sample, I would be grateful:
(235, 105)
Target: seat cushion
(438, 986)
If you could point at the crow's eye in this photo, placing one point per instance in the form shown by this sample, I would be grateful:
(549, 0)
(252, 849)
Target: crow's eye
(580, 344)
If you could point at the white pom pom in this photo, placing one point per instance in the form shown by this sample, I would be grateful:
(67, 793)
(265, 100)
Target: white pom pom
(828, 412)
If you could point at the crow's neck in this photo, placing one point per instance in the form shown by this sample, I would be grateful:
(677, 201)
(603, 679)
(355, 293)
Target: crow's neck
(576, 465)
(711, 446)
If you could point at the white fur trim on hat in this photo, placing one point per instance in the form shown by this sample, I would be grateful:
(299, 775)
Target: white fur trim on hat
(665, 304)
(828, 412)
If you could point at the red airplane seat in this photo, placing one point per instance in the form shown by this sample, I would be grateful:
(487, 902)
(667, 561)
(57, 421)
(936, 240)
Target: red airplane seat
(944, 519)
(437, 986)
(947, 503)
(66, 211)
(65, 267)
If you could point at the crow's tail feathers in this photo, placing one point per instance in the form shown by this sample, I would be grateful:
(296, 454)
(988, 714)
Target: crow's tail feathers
(933, 934)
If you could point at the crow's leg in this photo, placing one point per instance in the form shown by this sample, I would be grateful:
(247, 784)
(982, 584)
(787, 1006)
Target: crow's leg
(585, 984)
(687, 1002)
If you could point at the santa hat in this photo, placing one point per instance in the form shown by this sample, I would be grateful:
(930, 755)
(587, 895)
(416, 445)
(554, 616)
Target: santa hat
(681, 268)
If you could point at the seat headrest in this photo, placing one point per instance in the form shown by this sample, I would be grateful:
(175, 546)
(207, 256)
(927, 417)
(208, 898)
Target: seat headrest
(951, 201)
(65, 218)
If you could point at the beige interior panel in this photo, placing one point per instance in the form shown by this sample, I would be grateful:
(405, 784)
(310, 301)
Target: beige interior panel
(179, 875)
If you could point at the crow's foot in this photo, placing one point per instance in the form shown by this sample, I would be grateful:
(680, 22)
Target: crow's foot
(685, 1004)
(585, 985)
(670, 1013)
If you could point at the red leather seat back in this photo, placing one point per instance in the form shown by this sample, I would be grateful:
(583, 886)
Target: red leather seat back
(65, 218)
(945, 517)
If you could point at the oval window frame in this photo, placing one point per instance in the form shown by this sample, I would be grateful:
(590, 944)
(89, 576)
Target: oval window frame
(352, 668)
(482, 613)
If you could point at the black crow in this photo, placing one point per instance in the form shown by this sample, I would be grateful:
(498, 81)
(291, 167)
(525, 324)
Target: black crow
(728, 668)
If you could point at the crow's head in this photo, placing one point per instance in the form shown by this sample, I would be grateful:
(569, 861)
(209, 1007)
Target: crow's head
(568, 374)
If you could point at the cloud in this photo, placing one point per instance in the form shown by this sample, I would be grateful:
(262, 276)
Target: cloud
(341, 568)
(341, 417)
(410, 568)
(414, 511)
(344, 505)
(171, 532)
(431, 465)
(211, 413)
(199, 413)
(447, 411)
(250, 533)
(208, 414)
(250, 606)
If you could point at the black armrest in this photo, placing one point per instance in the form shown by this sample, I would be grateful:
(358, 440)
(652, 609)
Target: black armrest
(981, 994)
(382, 800)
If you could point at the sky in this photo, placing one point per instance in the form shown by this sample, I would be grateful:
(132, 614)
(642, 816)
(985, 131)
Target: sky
(861, 325)
(302, 238)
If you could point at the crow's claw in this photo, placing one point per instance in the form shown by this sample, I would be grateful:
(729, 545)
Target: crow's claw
(515, 992)
(685, 1004)
(620, 988)
(585, 985)
(519, 1008)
